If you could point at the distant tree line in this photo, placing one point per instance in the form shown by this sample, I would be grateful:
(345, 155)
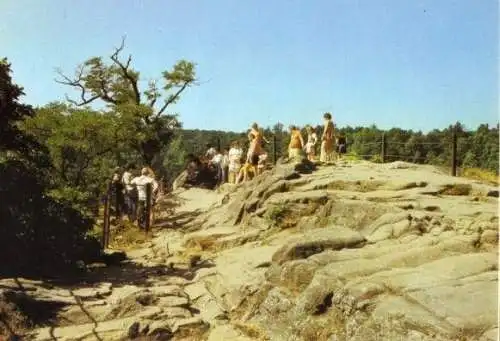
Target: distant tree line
(475, 148)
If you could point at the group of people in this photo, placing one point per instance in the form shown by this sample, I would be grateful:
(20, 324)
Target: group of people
(231, 165)
(129, 191)
(331, 147)
(217, 167)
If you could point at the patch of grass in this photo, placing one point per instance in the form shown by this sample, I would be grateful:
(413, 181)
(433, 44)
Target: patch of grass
(356, 186)
(127, 236)
(481, 175)
(252, 330)
(201, 243)
(322, 327)
(456, 189)
(376, 158)
(287, 216)
(351, 156)
(277, 214)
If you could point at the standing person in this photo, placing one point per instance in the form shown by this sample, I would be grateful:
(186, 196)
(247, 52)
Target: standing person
(225, 165)
(154, 195)
(117, 192)
(217, 163)
(141, 182)
(328, 140)
(296, 144)
(130, 192)
(256, 140)
(234, 155)
(342, 145)
(312, 139)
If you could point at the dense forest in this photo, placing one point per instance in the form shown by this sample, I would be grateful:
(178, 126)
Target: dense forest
(56, 159)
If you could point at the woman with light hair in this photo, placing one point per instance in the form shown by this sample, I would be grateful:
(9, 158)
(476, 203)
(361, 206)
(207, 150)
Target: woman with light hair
(296, 144)
(154, 193)
(328, 140)
(256, 139)
(234, 155)
(312, 139)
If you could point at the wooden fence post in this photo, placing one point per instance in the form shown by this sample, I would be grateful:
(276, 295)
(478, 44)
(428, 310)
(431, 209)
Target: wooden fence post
(454, 151)
(105, 228)
(383, 153)
(275, 154)
(148, 207)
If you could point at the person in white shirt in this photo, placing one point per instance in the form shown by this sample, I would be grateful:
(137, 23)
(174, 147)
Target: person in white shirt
(141, 182)
(310, 146)
(217, 163)
(234, 156)
(225, 165)
(210, 152)
(130, 192)
(262, 163)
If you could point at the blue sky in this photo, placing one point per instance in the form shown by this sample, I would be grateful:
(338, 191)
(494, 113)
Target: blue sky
(407, 63)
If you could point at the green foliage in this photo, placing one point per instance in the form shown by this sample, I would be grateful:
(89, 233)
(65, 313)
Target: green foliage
(376, 158)
(276, 214)
(141, 120)
(174, 159)
(38, 231)
(84, 146)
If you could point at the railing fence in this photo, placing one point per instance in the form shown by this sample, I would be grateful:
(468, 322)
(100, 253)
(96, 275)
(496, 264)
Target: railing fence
(276, 146)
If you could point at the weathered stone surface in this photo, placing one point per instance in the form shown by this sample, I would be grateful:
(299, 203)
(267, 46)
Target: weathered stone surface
(317, 241)
(298, 197)
(370, 252)
(227, 332)
(172, 301)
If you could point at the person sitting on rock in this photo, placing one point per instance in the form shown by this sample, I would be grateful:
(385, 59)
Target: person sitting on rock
(247, 172)
(210, 153)
(193, 168)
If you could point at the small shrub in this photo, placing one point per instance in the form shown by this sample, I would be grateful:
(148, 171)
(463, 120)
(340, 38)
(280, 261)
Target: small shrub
(456, 189)
(481, 175)
(376, 158)
(276, 214)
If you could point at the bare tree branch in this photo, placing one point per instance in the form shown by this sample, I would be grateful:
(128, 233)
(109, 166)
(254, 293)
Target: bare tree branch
(76, 83)
(153, 92)
(125, 70)
(172, 99)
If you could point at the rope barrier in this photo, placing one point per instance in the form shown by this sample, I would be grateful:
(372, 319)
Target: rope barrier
(416, 143)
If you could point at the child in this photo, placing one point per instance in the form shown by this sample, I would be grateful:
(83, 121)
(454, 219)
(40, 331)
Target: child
(247, 172)
(262, 163)
(235, 154)
(312, 139)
